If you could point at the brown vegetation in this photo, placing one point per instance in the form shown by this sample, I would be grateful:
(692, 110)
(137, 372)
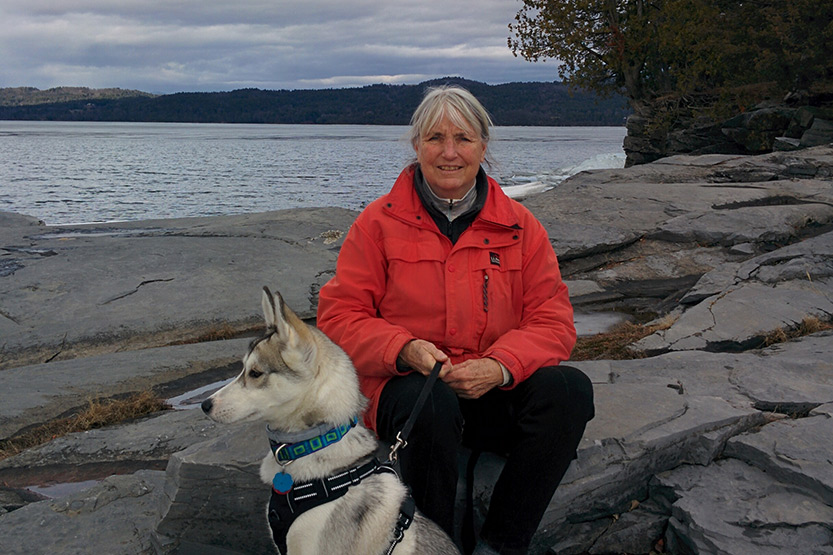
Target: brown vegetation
(97, 414)
(221, 332)
(615, 344)
(808, 325)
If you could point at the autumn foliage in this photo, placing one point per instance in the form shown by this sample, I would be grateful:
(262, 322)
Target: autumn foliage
(647, 50)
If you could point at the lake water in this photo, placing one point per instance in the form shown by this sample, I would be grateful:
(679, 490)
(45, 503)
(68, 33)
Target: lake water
(81, 172)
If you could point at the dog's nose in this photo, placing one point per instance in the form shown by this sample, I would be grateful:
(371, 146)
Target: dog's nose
(206, 405)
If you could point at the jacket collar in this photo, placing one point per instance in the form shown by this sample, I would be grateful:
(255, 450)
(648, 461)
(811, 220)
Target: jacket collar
(468, 206)
(403, 202)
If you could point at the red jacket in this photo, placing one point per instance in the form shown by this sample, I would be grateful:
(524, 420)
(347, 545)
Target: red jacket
(496, 293)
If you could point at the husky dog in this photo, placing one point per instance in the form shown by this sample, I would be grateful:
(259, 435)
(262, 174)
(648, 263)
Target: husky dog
(305, 389)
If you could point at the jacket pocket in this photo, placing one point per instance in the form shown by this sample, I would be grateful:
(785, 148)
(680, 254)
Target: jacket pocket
(414, 296)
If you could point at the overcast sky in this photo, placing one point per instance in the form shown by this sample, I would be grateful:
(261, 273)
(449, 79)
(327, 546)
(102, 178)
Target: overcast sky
(165, 46)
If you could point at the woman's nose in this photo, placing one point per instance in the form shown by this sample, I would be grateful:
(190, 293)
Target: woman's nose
(449, 149)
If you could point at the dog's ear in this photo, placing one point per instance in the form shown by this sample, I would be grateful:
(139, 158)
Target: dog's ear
(270, 311)
(280, 317)
(291, 330)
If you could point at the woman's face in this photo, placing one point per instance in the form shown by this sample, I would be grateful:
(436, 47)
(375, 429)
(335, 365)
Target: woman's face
(450, 158)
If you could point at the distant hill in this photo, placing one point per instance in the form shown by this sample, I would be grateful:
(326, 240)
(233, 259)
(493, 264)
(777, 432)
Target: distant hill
(28, 96)
(509, 104)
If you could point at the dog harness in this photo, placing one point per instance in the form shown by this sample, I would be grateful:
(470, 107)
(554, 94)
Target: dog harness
(289, 500)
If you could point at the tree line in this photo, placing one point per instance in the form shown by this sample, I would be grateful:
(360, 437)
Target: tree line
(721, 54)
(550, 103)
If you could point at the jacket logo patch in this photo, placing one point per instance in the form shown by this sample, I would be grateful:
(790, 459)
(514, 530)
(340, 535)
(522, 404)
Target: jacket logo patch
(494, 258)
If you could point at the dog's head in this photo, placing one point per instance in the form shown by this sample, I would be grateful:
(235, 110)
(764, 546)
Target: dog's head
(277, 371)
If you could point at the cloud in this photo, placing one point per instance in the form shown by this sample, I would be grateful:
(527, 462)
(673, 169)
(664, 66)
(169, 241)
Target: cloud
(168, 46)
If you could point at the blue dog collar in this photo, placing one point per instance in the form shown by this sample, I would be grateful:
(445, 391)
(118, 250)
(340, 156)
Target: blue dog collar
(288, 447)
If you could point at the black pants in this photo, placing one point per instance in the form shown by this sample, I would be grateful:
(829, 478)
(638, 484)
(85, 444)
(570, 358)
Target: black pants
(537, 425)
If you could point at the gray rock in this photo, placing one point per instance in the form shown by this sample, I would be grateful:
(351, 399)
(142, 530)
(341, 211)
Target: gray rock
(754, 224)
(731, 507)
(650, 232)
(12, 499)
(738, 305)
(115, 516)
(148, 284)
(820, 133)
(786, 144)
(44, 391)
(13, 226)
(806, 260)
(652, 134)
(637, 431)
(744, 249)
(790, 378)
(150, 439)
(635, 531)
(801, 121)
(737, 319)
(756, 130)
(214, 496)
(792, 451)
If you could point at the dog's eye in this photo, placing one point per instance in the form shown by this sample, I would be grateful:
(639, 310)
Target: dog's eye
(255, 373)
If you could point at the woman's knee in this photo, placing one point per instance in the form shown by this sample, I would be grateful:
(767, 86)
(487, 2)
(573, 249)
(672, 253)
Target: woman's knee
(581, 392)
(564, 391)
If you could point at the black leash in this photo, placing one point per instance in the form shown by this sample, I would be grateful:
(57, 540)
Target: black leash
(467, 532)
(402, 436)
(468, 535)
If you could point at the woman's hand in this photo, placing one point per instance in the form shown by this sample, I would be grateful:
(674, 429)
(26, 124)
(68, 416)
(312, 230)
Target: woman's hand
(421, 355)
(474, 377)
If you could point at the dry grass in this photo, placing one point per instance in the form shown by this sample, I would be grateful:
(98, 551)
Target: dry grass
(217, 333)
(808, 325)
(614, 344)
(96, 414)
(221, 332)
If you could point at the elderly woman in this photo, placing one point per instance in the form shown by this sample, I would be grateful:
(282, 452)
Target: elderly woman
(446, 268)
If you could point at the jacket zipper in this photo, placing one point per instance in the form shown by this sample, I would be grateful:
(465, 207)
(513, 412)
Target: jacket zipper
(485, 291)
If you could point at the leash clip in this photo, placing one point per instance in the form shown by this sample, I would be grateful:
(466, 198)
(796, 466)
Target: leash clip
(409, 424)
(276, 452)
(400, 443)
